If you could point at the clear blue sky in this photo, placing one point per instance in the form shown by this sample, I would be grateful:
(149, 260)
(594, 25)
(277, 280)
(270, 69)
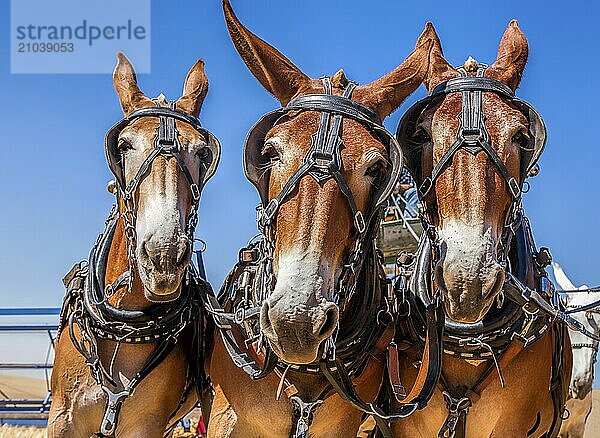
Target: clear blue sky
(53, 198)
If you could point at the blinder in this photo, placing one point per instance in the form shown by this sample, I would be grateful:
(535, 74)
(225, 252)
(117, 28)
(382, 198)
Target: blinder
(323, 161)
(166, 144)
(468, 85)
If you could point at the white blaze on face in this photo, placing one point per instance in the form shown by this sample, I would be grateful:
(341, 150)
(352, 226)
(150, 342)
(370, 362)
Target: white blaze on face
(162, 248)
(158, 213)
(297, 317)
(468, 269)
(298, 276)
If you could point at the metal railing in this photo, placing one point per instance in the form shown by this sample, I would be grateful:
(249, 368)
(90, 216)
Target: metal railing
(28, 408)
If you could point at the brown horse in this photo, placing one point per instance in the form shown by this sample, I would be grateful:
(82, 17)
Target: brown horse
(144, 259)
(470, 152)
(313, 230)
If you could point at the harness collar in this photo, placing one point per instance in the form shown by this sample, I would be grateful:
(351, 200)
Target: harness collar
(86, 307)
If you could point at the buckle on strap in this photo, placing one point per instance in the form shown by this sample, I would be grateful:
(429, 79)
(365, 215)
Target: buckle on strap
(425, 187)
(303, 414)
(394, 372)
(359, 222)
(111, 412)
(514, 189)
(195, 192)
(270, 210)
(457, 408)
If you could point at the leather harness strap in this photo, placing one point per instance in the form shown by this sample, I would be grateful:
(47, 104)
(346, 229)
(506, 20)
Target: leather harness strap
(473, 135)
(458, 405)
(323, 161)
(422, 389)
(431, 362)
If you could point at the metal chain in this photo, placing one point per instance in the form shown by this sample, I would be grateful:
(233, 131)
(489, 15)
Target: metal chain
(129, 221)
(192, 221)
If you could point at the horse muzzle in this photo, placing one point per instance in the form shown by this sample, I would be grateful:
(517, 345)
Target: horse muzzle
(161, 266)
(468, 272)
(296, 332)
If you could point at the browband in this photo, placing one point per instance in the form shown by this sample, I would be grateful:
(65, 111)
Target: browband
(334, 104)
(473, 83)
(156, 111)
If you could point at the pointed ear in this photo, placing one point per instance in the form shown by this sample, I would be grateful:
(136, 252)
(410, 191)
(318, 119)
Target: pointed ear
(439, 70)
(125, 81)
(274, 71)
(386, 94)
(194, 90)
(512, 57)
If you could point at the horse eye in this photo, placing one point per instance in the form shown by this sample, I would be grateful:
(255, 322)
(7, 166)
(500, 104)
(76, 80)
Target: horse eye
(521, 138)
(202, 153)
(375, 170)
(421, 136)
(124, 145)
(270, 152)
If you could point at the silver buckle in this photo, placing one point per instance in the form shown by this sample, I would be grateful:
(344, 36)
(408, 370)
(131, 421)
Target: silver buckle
(115, 400)
(359, 222)
(270, 210)
(195, 191)
(305, 415)
(513, 186)
(425, 187)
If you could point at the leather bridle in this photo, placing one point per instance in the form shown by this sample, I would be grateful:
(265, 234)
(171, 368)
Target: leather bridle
(323, 162)
(167, 145)
(473, 137)
(473, 134)
(589, 313)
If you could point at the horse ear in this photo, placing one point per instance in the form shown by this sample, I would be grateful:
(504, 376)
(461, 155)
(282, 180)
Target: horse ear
(274, 71)
(387, 93)
(512, 57)
(439, 70)
(125, 82)
(194, 90)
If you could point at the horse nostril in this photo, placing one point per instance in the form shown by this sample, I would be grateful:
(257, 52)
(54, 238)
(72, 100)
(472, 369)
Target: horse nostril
(329, 322)
(183, 251)
(497, 284)
(153, 256)
(265, 321)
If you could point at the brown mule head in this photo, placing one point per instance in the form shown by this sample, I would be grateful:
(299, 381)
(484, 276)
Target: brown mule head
(313, 227)
(163, 199)
(471, 196)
